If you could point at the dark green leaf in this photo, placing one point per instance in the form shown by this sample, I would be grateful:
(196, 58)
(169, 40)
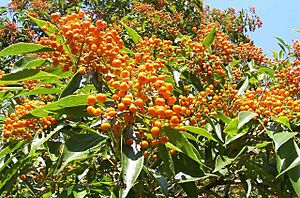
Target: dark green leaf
(80, 147)
(178, 140)
(72, 86)
(201, 132)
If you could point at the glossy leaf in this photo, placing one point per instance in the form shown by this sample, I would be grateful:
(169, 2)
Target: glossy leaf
(267, 71)
(66, 102)
(80, 147)
(244, 117)
(24, 48)
(232, 127)
(210, 38)
(284, 121)
(281, 138)
(201, 132)
(27, 75)
(288, 161)
(132, 33)
(181, 142)
(244, 87)
(72, 86)
(132, 164)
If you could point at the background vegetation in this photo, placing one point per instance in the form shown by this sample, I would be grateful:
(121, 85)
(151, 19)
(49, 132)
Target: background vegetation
(144, 99)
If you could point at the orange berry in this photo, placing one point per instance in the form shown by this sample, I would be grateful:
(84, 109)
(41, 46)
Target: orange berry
(121, 106)
(146, 154)
(101, 24)
(157, 124)
(112, 113)
(176, 108)
(91, 100)
(126, 101)
(124, 86)
(144, 144)
(101, 97)
(23, 177)
(173, 152)
(174, 120)
(105, 126)
(160, 102)
(139, 102)
(154, 143)
(129, 141)
(164, 139)
(155, 131)
(133, 108)
(151, 111)
(90, 110)
(116, 63)
(97, 112)
(154, 157)
(54, 17)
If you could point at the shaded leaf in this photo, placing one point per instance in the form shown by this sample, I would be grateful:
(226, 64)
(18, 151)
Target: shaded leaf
(80, 147)
(201, 132)
(178, 140)
(72, 86)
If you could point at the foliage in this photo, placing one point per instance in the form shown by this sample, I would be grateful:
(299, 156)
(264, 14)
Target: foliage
(144, 99)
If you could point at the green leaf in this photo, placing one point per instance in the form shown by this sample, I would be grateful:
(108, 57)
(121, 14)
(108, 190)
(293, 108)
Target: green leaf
(178, 140)
(60, 105)
(26, 75)
(132, 33)
(39, 91)
(223, 117)
(132, 164)
(232, 127)
(72, 86)
(50, 30)
(24, 48)
(222, 161)
(244, 117)
(284, 121)
(27, 62)
(210, 38)
(267, 71)
(288, 161)
(37, 142)
(10, 149)
(281, 138)
(244, 87)
(162, 182)
(167, 161)
(81, 146)
(201, 132)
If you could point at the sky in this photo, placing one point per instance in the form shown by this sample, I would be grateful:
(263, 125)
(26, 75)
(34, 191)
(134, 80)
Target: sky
(279, 18)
